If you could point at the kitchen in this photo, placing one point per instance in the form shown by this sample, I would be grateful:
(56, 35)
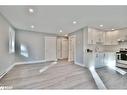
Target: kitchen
(103, 48)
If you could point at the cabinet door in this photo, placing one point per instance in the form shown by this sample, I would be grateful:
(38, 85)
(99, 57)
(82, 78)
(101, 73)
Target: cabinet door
(91, 36)
(114, 37)
(111, 38)
(99, 60)
(95, 36)
(100, 37)
(107, 38)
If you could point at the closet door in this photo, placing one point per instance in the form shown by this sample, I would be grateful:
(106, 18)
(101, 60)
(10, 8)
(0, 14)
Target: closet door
(59, 48)
(64, 48)
(50, 48)
(72, 48)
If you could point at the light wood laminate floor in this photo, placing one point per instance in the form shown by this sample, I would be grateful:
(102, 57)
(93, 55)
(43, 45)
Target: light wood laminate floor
(112, 79)
(63, 75)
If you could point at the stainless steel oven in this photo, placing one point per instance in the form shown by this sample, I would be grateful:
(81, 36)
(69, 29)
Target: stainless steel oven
(122, 55)
(121, 60)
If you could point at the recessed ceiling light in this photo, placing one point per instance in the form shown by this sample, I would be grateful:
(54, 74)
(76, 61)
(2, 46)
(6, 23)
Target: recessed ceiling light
(74, 22)
(31, 10)
(32, 26)
(101, 25)
(113, 29)
(61, 31)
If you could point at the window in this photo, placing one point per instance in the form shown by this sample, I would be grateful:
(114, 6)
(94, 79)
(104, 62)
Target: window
(23, 50)
(11, 40)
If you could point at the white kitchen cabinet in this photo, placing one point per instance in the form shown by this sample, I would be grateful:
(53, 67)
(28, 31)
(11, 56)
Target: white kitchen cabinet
(114, 38)
(99, 60)
(96, 60)
(110, 59)
(95, 36)
(111, 38)
(107, 38)
(99, 37)
(91, 36)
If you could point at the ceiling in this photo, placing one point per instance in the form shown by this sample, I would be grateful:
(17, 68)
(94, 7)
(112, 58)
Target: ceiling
(52, 19)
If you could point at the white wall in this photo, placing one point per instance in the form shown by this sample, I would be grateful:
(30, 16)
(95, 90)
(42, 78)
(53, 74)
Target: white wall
(79, 45)
(34, 42)
(6, 59)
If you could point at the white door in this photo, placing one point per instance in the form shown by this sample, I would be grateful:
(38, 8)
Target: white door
(59, 48)
(72, 48)
(64, 48)
(50, 48)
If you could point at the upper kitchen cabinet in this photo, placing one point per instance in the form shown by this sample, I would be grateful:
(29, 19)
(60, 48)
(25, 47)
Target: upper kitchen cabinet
(111, 38)
(114, 38)
(95, 36)
(91, 38)
(100, 36)
(107, 38)
(122, 35)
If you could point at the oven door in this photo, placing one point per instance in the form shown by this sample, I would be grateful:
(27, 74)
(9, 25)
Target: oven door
(123, 56)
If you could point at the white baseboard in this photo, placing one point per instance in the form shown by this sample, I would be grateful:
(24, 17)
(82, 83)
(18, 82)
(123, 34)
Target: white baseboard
(7, 70)
(29, 62)
(79, 64)
(51, 60)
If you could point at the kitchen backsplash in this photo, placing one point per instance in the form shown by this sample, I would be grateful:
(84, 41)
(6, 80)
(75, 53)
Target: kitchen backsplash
(115, 47)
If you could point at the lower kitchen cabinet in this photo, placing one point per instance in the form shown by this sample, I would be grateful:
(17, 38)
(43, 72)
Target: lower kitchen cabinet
(110, 59)
(100, 59)
(95, 60)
